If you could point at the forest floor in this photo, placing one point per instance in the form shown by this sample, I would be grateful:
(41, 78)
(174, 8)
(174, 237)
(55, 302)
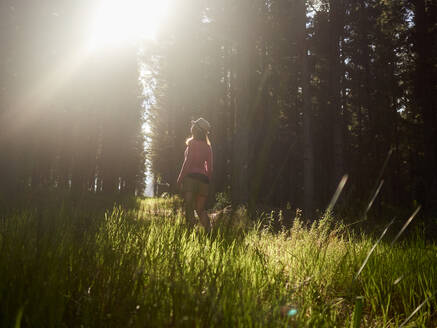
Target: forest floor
(67, 266)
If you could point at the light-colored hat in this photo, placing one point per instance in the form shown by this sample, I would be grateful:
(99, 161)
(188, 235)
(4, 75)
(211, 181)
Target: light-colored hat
(202, 123)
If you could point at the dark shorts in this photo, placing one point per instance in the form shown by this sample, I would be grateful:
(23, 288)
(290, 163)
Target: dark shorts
(196, 183)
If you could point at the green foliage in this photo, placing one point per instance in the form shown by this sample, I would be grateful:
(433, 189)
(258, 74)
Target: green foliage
(222, 200)
(145, 267)
(358, 312)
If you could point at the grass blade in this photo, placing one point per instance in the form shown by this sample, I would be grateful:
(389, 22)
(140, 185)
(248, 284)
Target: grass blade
(369, 205)
(415, 311)
(337, 193)
(358, 312)
(373, 248)
(387, 158)
(406, 224)
(19, 317)
(373, 198)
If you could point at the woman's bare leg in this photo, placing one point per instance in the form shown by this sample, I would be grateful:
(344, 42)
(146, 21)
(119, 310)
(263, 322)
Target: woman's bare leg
(189, 207)
(203, 216)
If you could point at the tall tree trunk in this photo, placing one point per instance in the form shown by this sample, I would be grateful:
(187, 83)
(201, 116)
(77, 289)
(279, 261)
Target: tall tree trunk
(245, 91)
(336, 17)
(308, 146)
(240, 177)
(425, 93)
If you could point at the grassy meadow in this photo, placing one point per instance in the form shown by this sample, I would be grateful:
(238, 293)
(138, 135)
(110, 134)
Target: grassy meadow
(144, 267)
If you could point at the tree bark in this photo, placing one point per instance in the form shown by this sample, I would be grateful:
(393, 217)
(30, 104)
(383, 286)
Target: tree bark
(425, 93)
(244, 102)
(308, 146)
(336, 17)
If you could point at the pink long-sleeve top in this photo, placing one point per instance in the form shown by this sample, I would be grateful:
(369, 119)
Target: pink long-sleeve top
(198, 159)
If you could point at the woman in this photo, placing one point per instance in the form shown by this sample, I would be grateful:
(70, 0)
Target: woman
(196, 172)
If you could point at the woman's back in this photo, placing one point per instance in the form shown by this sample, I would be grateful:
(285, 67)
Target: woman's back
(198, 157)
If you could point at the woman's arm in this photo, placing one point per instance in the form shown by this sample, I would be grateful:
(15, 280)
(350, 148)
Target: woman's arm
(209, 164)
(187, 162)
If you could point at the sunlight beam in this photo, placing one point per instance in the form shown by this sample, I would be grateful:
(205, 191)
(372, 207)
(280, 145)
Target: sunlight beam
(118, 22)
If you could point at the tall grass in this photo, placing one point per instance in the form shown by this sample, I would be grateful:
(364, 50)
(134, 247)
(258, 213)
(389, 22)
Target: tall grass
(146, 268)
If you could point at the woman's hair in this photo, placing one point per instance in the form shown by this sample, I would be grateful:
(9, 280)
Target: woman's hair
(198, 133)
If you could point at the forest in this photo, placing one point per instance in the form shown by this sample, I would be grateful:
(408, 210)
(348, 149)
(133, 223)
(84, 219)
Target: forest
(298, 93)
(304, 97)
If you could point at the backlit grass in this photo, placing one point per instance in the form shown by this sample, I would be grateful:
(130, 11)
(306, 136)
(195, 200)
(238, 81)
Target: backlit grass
(145, 268)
